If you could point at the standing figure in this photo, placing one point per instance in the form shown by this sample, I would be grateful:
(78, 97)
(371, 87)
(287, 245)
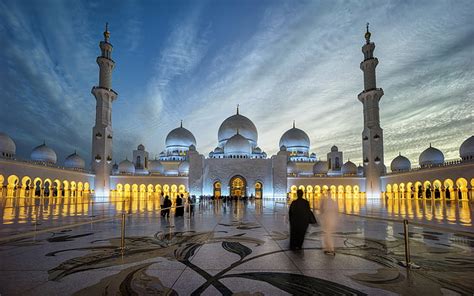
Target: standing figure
(179, 206)
(328, 223)
(192, 201)
(165, 210)
(300, 216)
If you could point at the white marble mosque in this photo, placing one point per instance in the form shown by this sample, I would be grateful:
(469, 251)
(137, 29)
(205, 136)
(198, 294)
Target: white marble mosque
(237, 166)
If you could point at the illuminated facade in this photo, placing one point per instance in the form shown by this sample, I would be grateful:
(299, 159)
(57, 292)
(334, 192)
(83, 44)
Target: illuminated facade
(237, 166)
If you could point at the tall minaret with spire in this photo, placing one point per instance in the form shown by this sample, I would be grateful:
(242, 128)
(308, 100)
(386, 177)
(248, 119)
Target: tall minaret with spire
(372, 136)
(102, 134)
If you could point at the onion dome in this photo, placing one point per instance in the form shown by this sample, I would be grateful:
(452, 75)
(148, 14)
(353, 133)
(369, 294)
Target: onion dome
(400, 163)
(180, 138)
(7, 146)
(126, 167)
(43, 153)
(74, 161)
(155, 166)
(238, 122)
(183, 168)
(320, 167)
(349, 168)
(431, 156)
(360, 170)
(466, 151)
(295, 139)
(238, 145)
(141, 147)
(291, 167)
(334, 148)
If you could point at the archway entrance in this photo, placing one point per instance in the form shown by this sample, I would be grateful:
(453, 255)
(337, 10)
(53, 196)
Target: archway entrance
(217, 189)
(238, 186)
(258, 190)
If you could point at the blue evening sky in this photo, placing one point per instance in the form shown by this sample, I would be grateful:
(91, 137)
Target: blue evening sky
(196, 60)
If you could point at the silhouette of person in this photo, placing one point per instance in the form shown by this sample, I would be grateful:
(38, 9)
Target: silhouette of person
(179, 206)
(300, 216)
(166, 207)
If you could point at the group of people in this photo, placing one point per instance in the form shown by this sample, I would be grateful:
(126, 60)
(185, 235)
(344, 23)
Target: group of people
(225, 197)
(300, 216)
(166, 205)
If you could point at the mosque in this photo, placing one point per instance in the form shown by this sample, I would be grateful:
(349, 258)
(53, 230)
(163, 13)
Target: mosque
(237, 166)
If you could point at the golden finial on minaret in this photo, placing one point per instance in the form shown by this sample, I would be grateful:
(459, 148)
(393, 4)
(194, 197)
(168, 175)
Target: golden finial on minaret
(106, 32)
(367, 34)
(181, 123)
(294, 124)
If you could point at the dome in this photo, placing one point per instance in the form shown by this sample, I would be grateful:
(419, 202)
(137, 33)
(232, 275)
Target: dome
(295, 138)
(74, 161)
(291, 167)
(155, 166)
(180, 137)
(400, 163)
(183, 168)
(218, 150)
(127, 167)
(466, 151)
(431, 156)
(7, 146)
(44, 154)
(313, 155)
(141, 147)
(115, 169)
(237, 145)
(349, 168)
(334, 148)
(320, 167)
(240, 123)
(257, 150)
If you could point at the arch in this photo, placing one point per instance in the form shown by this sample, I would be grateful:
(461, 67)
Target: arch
(142, 187)
(401, 187)
(309, 189)
(325, 188)
(356, 189)
(87, 187)
(12, 184)
(216, 189)
(150, 188)
(73, 189)
(174, 188)
(388, 188)
(418, 189)
(395, 188)
(437, 186)
(2, 179)
(166, 188)
(181, 188)
(119, 187)
(134, 187)
(238, 186)
(258, 189)
(126, 188)
(301, 187)
(340, 189)
(461, 184)
(427, 187)
(333, 188)
(317, 189)
(348, 189)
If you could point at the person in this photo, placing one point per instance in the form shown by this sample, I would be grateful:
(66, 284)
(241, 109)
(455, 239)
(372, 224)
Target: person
(300, 216)
(179, 206)
(192, 201)
(165, 211)
(328, 223)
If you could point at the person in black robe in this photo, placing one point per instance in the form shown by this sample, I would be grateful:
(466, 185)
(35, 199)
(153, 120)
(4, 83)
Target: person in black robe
(300, 216)
(179, 207)
(166, 207)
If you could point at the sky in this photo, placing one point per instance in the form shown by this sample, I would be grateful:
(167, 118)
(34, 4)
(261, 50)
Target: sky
(196, 60)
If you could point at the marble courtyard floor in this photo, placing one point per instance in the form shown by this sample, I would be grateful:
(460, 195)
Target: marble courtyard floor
(72, 247)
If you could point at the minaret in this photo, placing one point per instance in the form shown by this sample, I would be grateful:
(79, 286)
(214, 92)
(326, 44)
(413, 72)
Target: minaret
(372, 136)
(102, 132)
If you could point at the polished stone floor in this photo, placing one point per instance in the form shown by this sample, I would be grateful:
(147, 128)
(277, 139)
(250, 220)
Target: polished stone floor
(72, 246)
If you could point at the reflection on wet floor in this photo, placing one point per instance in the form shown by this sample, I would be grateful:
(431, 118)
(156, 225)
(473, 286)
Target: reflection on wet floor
(36, 210)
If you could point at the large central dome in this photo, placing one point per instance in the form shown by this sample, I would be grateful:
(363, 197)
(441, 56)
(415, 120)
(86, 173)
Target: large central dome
(180, 138)
(237, 123)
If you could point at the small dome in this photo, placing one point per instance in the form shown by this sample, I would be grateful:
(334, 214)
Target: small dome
(295, 138)
(238, 145)
(180, 138)
(334, 148)
(400, 163)
(431, 156)
(74, 161)
(291, 167)
(115, 169)
(44, 154)
(234, 123)
(126, 167)
(192, 147)
(141, 147)
(360, 170)
(141, 171)
(218, 150)
(7, 146)
(155, 166)
(183, 168)
(312, 155)
(466, 151)
(349, 168)
(283, 148)
(320, 167)
(257, 150)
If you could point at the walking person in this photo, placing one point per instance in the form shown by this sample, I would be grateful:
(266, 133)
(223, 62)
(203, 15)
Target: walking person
(192, 201)
(301, 216)
(165, 210)
(328, 223)
(179, 206)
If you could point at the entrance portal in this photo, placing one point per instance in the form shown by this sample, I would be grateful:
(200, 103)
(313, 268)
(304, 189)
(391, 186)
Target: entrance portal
(238, 186)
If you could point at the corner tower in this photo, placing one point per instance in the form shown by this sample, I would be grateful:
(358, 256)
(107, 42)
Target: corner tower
(372, 135)
(102, 134)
